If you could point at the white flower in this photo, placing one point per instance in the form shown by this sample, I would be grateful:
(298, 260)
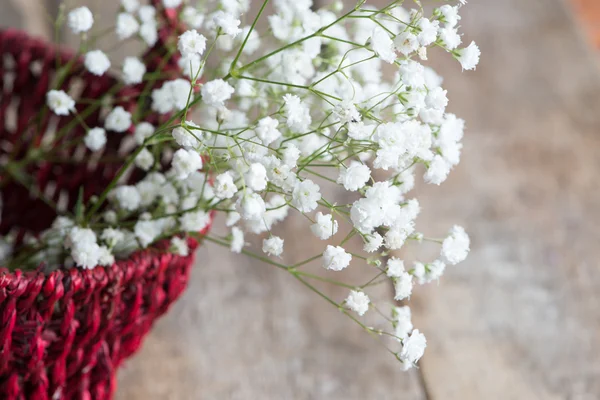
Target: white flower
(95, 139)
(127, 26)
(185, 162)
(130, 5)
(336, 258)
(86, 254)
(227, 22)
(251, 206)
(373, 242)
(436, 98)
(403, 286)
(112, 236)
(435, 271)
(144, 159)
(358, 302)
(80, 20)
(171, 3)
(149, 33)
(191, 42)
(346, 112)
(412, 74)
(256, 177)
(305, 195)
(133, 71)
(450, 37)
(237, 240)
(291, 154)
(118, 120)
(185, 137)
(406, 43)
(455, 247)
(232, 218)
(96, 62)
(179, 246)
(359, 131)
(78, 236)
(325, 226)
(267, 130)
(147, 231)
(273, 246)
(59, 102)
(297, 113)
(224, 186)
(192, 17)
(143, 131)
(402, 317)
(383, 45)
(354, 176)
(127, 197)
(450, 14)
(438, 170)
(216, 92)
(428, 32)
(173, 95)
(413, 347)
(395, 267)
(146, 13)
(195, 221)
(469, 56)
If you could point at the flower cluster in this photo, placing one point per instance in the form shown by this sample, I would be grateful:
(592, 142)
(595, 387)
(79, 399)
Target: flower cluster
(261, 128)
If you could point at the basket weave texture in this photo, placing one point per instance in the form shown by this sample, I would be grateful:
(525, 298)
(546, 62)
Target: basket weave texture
(63, 334)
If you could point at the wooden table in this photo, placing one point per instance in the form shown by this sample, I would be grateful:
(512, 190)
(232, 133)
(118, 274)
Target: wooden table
(519, 320)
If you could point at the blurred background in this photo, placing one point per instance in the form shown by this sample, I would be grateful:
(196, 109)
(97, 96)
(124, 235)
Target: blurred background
(520, 319)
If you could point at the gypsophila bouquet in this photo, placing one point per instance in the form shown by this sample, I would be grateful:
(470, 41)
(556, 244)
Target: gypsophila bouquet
(253, 117)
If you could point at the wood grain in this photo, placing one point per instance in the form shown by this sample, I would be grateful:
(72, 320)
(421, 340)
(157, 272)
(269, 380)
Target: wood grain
(519, 320)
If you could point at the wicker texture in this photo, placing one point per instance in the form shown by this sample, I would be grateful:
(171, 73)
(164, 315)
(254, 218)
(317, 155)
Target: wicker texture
(63, 334)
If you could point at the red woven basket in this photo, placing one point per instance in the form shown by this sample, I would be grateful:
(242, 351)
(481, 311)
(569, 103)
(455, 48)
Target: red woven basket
(63, 334)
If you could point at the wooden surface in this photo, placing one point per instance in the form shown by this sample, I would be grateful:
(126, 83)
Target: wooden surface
(519, 320)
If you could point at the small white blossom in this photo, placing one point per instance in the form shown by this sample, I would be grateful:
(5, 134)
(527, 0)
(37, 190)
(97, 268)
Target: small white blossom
(171, 3)
(133, 70)
(291, 154)
(402, 317)
(215, 93)
(185, 137)
(143, 131)
(273, 246)
(373, 242)
(450, 14)
(355, 176)
(403, 286)
(227, 22)
(406, 43)
(96, 62)
(251, 206)
(80, 20)
(192, 17)
(395, 268)
(179, 246)
(335, 258)
(118, 120)
(127, 25)
(297, 113)
(147, 13)
(305, 195)
(428, 32)
(469, 56)
(185, 162)
(95, 139)
(455, 247)
(59, 102)
(144, 159)
(130, 5)
(438, 170)
(224, 186)
(358, 302)
(325, 226)
(195, 221)
(450, 38)
(191, 42)
(149, 33)
(237, 240)
(127, 197)
(383, 45)
(413, 347)
(256, 177)
(267, 130)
